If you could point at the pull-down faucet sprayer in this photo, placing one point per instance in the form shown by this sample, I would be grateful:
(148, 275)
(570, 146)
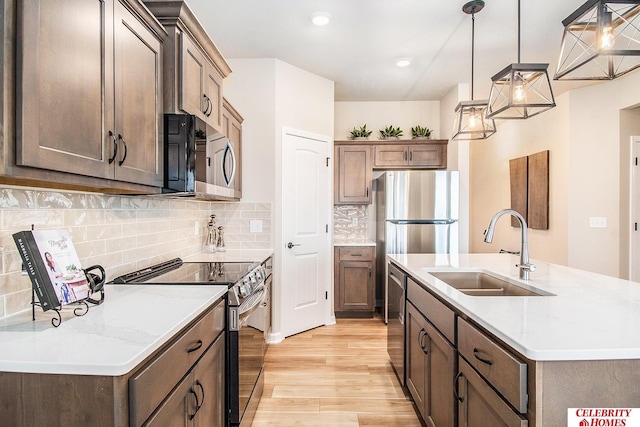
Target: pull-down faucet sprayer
(524, 266)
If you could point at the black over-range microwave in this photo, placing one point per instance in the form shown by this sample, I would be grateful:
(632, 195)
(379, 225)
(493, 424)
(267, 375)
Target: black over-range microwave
(198, 161)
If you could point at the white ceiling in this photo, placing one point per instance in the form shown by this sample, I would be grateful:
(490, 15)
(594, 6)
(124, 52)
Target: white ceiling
(360, 46)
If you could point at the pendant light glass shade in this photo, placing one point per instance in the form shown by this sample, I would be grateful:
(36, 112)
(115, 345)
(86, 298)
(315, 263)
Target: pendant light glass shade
(601, 41)
(471, 120)
(520, 90)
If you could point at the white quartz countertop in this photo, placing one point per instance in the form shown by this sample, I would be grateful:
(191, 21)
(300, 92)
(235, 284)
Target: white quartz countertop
(232, 255)
(111, 339)
(589, 317)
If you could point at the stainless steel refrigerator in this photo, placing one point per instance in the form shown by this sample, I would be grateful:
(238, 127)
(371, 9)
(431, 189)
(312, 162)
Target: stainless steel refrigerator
(416, 212)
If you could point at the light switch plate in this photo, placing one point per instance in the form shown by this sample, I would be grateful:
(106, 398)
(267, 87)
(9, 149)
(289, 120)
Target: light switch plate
(255, 226)
(598, 222)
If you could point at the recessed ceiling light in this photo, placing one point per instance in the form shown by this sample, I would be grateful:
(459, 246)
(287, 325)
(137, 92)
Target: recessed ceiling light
(321, 18)
(403, 62)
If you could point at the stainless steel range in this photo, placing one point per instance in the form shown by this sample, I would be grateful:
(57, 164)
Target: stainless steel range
(246, 311)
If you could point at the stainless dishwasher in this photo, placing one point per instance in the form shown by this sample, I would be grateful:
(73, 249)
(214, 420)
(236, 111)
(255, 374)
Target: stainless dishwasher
(396, 286)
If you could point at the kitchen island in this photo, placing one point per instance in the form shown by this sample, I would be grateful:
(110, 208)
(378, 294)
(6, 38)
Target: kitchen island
(82, 372)
(577, 345)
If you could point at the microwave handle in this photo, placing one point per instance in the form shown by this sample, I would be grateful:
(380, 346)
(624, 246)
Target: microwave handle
(228, 150)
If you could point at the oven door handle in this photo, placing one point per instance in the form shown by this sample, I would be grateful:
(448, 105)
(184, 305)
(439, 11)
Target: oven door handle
(246, 312)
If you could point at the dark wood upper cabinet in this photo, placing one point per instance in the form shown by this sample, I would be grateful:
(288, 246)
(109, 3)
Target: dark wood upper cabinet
(89, 89)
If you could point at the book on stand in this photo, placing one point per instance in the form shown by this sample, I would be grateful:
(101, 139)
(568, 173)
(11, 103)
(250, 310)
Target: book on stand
(52, 264)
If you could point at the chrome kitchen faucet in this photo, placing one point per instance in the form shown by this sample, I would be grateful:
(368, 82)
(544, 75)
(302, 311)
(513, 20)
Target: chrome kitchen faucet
(524, 266)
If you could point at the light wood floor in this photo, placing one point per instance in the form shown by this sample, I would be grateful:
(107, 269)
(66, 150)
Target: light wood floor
(337, 375)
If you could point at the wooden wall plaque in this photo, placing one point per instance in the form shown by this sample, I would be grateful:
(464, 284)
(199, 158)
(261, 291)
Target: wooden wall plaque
(529, 180)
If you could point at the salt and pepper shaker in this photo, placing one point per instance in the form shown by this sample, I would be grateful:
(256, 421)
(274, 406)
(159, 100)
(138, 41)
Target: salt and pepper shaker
(221, 247)
(211, 238)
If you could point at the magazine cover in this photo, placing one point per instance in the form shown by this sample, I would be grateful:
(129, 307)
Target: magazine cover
(53, 266)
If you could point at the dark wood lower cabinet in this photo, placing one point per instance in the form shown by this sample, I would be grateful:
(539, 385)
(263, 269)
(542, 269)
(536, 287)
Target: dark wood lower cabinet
(198, 400)
(479, 405)
(186, 377)
(430, 370)
(354, 281)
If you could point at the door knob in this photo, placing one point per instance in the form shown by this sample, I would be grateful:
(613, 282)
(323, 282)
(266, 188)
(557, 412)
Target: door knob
(291, 245)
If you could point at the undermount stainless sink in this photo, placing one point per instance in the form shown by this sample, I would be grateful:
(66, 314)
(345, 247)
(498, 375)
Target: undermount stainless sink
(478, 283)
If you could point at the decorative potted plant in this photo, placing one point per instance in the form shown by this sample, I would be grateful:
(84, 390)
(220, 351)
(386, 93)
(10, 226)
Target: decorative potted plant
(420, 132)
(361, 133)
(390, 132)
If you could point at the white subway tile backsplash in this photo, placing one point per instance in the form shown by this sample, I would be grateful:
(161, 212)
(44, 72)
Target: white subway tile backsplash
(121, 233)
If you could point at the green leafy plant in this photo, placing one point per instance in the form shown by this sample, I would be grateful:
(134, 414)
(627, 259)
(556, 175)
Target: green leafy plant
(420, 132)
(360, 133)
(390, 132)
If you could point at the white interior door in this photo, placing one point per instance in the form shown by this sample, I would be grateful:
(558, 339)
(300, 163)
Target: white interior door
(634, 255)
(306, 210)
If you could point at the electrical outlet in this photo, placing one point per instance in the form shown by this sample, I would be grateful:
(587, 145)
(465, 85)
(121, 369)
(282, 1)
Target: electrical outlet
(255, 226)
(354, 222)
(196, 228)
(598, 222)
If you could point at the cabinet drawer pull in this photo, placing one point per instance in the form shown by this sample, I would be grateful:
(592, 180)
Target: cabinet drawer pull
(199, 384)
(115, 147)
(198, 405)
(475, 354)
(356, 254)
(125, 150)
(455, 387)
(421, 340)
(197, 347)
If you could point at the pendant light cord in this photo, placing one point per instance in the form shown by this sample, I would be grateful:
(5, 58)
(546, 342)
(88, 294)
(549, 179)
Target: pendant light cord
(473, 44)
(518, 31)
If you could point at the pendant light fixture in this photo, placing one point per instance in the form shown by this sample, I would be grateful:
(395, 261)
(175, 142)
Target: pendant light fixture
(520, 90)
(471, 121)
(601, 41)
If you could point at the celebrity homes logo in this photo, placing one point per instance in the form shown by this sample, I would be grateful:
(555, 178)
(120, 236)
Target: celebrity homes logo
(603, 417)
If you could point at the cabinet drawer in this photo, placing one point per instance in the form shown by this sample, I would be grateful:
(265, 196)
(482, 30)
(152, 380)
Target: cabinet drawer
(479, 404)
(356, 253)
(152, 383)
(439, 314)
(500, 368)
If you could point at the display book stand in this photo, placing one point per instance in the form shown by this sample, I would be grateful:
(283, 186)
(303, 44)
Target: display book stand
(96, 278)
(96, 285)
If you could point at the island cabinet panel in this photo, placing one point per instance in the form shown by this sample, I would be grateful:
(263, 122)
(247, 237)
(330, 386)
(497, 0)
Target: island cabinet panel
(354, 273)
(479, 405)
(499, 367)
(353, 175)
(430, 362)
(90, 98)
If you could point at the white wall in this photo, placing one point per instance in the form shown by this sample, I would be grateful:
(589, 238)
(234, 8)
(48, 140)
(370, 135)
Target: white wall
(271, 94)
(596, 188)
(490, 187)
(584, 134)
(378, 115)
